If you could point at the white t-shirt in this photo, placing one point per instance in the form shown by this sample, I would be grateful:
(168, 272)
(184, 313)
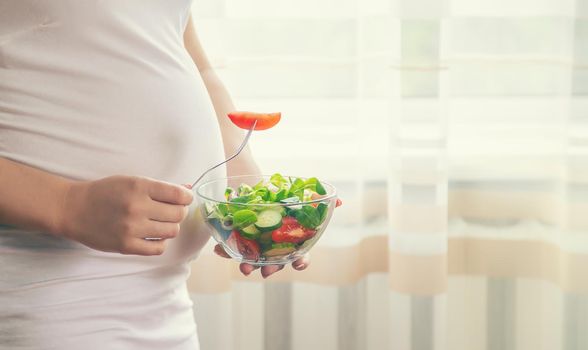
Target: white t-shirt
(89, 89)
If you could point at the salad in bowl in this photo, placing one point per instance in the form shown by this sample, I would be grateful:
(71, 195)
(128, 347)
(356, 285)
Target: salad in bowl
(267, 220)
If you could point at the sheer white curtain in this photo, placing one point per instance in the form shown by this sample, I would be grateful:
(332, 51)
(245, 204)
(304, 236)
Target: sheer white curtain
(456, 133)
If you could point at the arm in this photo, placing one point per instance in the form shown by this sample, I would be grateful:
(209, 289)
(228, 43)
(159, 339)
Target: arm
(31, 199)
(113, 214)
(223, 104)
(232, 136)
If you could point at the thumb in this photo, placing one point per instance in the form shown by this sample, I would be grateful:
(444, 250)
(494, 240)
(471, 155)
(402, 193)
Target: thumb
(218, 249)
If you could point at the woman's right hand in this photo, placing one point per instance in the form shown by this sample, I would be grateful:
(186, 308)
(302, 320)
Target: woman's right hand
(118, 213)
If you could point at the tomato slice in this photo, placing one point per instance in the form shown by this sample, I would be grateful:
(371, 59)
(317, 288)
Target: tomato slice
(245, 120)
(291, 232)
(247, 248)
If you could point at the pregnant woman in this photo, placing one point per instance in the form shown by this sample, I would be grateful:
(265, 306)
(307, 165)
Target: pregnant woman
(106, 108)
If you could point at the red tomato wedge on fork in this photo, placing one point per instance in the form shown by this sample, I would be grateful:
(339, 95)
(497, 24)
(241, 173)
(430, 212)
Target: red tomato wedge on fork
(245, 120)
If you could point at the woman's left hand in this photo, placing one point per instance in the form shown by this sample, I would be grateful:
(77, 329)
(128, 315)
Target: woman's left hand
(267, 270)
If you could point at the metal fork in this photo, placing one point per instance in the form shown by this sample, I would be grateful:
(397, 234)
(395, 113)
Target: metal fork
(243, 144)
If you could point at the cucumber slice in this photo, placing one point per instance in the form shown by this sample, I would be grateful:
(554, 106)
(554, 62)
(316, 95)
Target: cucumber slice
(278, 249)
(268, 220)
(250, 232)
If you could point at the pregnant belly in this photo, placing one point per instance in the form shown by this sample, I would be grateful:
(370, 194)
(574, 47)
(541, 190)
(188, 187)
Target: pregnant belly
(146, 125)
(161, 127)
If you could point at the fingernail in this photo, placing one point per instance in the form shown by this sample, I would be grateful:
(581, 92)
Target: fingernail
(271, 273)
(244, 270)
(299, 266)
(221, 252)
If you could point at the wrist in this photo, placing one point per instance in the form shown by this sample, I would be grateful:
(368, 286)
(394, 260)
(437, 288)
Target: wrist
(64, 216)
(244, 164)
(243, 168)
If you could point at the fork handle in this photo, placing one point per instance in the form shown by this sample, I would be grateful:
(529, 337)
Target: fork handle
(243, 144)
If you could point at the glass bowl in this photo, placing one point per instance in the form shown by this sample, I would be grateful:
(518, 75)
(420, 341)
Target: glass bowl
(276, 234)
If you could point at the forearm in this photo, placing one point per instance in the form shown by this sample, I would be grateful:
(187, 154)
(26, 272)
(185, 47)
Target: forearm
(223, 104)
(31, 198)
(232, 136)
